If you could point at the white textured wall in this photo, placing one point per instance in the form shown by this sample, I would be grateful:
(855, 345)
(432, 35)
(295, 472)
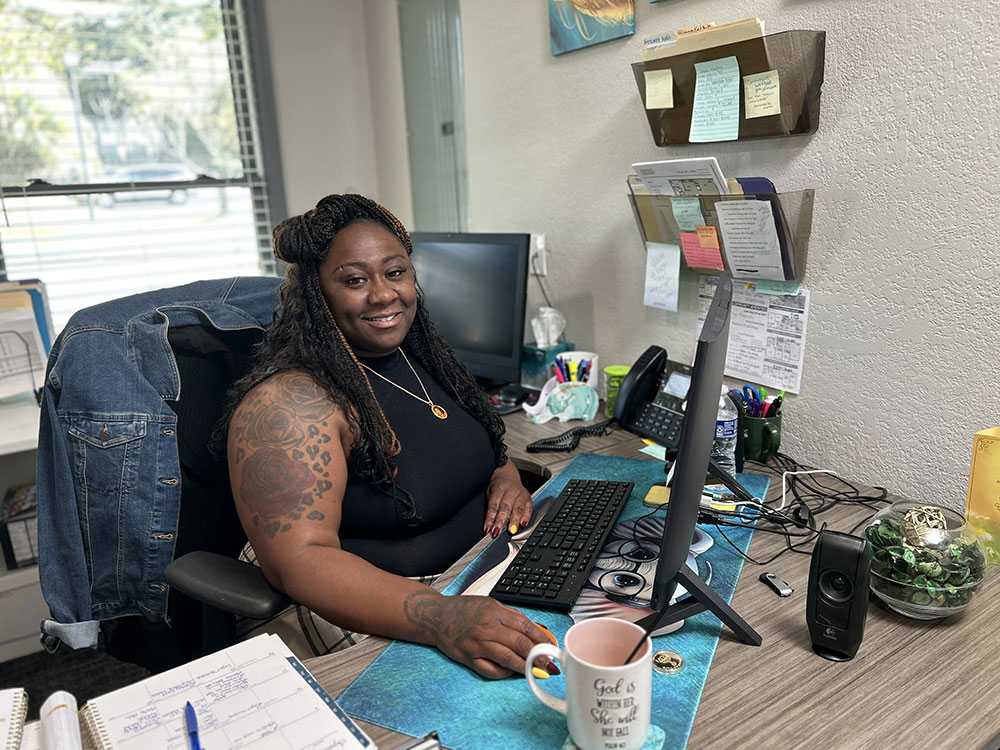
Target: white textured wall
(901, 365)
(900, 361)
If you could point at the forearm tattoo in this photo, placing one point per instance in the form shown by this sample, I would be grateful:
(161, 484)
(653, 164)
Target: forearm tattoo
(277, 486)
(427, 612)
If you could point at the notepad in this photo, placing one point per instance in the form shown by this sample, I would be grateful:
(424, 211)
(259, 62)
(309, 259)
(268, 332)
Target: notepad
(254, 694)
(13, 709)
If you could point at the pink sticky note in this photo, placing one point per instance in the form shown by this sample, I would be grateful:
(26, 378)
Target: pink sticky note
(697, 256)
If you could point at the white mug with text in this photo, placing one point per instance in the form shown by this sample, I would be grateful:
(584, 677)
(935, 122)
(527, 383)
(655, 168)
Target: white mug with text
(607, 701)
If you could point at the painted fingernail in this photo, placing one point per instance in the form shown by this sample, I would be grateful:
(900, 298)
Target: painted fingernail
(512, 528)
(551, 667)
(547, 632)
(496, 532)
(540, 674)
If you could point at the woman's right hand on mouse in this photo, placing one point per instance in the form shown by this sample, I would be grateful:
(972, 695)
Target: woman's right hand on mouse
(476, 631)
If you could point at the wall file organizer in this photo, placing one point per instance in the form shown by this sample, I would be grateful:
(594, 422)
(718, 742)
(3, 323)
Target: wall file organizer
(792, 211)
(798, 56)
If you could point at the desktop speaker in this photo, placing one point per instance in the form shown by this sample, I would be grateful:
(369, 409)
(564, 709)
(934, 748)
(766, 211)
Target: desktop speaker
(837, 599)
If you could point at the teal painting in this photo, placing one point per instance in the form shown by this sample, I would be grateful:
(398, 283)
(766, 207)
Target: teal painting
(575, 24)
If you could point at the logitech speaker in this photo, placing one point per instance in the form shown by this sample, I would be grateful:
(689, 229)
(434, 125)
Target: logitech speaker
(837, 599)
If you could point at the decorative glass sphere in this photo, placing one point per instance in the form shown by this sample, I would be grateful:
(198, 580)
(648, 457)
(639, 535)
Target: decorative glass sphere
(927, 562)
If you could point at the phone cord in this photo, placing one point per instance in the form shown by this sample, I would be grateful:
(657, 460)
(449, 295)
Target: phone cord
(570, 439)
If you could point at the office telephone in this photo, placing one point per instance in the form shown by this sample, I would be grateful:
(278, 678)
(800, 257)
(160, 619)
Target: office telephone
(651, 403)
(651, 398)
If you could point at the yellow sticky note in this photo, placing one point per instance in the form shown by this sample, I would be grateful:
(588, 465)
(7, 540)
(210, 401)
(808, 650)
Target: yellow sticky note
(660, 89)
(761, 94)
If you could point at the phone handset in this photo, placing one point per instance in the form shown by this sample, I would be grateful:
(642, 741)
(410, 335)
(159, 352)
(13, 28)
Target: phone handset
(639, 383)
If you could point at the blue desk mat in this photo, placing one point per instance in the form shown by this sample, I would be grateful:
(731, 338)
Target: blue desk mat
(415, 689)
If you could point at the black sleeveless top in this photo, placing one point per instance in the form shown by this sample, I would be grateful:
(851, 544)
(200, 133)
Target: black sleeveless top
(435, 509)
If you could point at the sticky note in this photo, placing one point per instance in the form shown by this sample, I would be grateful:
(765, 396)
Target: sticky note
(663, 266)
(761, 94)
(697, 256)
(687, 213)
(715, 115)
(708, 237)
(660, 89)
(777, 288)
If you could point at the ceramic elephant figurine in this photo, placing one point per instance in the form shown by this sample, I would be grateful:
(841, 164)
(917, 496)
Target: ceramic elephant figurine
(573, 400)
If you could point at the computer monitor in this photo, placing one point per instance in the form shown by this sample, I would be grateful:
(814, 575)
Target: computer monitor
(475, 290)
(690, 470)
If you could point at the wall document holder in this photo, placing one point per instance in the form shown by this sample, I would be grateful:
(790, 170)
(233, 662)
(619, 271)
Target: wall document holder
(797, 56)
(793, 212)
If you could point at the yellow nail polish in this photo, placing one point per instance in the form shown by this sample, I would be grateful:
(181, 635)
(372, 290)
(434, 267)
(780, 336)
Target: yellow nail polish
(512, 528)
(540, 674)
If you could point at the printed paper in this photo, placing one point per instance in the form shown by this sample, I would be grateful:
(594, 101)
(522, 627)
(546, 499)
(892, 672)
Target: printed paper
(750, 239)
(767, 334)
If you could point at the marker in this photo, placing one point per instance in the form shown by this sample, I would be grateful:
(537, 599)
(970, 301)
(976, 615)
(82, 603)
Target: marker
(192, 725)
(573, 366)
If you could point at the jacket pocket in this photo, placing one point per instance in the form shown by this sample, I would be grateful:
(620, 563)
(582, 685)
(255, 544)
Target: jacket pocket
(106, 452)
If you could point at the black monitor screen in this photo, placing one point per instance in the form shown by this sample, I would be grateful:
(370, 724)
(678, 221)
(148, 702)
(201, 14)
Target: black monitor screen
(474, 289)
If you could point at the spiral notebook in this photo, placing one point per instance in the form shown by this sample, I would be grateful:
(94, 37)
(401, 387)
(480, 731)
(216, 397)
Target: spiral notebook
(254, 694)
(13, 709)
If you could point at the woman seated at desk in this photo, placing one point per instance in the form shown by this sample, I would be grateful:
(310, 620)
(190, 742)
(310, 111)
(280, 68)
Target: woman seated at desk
(361, 451)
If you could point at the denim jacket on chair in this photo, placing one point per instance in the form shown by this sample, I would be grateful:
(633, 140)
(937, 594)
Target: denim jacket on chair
(108, 473)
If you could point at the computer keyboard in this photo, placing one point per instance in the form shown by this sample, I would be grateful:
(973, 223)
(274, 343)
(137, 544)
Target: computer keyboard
(552, 566)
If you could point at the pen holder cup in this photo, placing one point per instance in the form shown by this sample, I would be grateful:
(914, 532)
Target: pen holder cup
(761, 437)
(573, 361)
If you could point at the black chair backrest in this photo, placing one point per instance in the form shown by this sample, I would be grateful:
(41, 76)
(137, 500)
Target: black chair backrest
(208, 361)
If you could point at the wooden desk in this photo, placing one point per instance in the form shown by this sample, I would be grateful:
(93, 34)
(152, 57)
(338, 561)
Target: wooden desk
(912, 684)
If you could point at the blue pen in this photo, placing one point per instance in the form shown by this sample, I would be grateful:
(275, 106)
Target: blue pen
(192, 725)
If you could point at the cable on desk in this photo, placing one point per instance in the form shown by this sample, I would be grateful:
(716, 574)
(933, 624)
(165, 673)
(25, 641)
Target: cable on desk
(570, 439)
(796, 519)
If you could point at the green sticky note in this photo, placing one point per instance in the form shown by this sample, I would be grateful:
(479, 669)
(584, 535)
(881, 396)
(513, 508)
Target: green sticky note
(715, 115)
(777, 287)
(687, 213)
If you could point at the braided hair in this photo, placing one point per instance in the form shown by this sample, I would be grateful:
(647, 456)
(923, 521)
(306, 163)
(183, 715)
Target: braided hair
(305, 337)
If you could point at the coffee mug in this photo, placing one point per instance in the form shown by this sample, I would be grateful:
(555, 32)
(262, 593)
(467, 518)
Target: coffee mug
(607, 701)
(761, 437)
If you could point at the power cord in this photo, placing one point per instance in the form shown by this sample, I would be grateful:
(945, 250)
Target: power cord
(795, 518)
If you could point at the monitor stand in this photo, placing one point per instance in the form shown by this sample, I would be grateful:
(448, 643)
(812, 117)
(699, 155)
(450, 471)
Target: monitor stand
(700, 597)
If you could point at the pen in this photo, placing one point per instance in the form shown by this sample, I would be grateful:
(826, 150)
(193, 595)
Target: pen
(559, 373)
(776, 406)
(192, 725)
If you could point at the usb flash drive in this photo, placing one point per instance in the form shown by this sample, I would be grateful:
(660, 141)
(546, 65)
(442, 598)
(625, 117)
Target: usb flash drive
(780, 587)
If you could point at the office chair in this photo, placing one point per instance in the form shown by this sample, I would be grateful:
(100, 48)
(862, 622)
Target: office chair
(209, 587)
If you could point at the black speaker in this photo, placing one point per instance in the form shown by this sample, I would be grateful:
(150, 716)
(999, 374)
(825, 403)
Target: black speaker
(837, 600)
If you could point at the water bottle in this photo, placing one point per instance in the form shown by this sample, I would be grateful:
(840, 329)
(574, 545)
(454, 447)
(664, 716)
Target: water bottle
(726, 424)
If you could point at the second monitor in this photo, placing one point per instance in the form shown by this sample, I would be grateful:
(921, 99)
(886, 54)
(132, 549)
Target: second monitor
(475, 290)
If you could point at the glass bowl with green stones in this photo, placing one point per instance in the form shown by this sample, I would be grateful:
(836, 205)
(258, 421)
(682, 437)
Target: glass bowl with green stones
(927, 562)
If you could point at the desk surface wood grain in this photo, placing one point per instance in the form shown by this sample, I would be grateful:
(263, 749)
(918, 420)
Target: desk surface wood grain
(912, 684)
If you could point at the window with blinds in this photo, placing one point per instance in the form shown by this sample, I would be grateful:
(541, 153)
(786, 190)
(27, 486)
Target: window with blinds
(129, 147)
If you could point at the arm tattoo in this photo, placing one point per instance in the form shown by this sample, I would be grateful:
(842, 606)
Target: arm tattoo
(277, 488)
(425, 610)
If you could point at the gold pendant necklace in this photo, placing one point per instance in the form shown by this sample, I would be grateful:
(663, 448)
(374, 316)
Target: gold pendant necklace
(436, 410)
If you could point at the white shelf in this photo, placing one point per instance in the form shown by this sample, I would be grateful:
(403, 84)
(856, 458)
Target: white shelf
(19, 417)
(21, 609)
